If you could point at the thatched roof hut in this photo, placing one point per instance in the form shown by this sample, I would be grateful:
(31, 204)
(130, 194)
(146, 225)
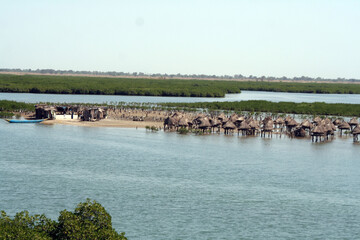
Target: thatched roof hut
(221, 117)
(344, 125)
(353, 122)
(306, 124)
(317, 120)
(279, 121)
(229, 125)
(356, 130)
(183, 122)
(356, 133)
(233, 117)
(244, 126)
(214, 122)
(337, 121)
(204, 123)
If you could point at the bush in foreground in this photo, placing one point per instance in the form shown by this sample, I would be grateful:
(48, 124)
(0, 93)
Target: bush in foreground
(89, 221)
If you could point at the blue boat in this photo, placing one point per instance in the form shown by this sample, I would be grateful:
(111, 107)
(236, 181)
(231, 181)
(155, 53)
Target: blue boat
(24, 120)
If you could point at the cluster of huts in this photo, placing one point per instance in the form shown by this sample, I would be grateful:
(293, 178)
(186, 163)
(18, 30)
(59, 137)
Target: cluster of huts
(83, 113)
(318, 129)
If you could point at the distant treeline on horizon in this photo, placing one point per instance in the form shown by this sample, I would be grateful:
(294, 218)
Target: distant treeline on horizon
(165, 75)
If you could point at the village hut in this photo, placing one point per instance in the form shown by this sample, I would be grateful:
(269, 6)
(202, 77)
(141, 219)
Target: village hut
(291, 124)
(317, 120)
(233, 117)
(344, 126)
(267, 128)
(356, 132)
(353, 123)
(183, 122)
(215, 123)
(229, 126)
(204, 124)
(328, 130)
(244, 128)
(306, 124)
(317, 133)
(170, 123)
(299, 132)
(45, 112)
(222, 117)
(337, 121)
(287, 119)
(279, 121)
(254, 127)
(279, 124)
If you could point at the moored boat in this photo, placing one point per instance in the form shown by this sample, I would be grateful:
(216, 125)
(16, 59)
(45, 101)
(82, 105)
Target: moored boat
(24, 120)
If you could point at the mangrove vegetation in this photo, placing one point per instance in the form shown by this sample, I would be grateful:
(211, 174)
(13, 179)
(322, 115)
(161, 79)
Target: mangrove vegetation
(90, 220)
(158, 87)
(316, 108)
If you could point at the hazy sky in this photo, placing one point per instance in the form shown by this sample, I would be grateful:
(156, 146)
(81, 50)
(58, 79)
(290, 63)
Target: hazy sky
(259, 37)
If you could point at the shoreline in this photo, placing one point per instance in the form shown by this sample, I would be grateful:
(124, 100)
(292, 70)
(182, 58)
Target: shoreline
(106, 123)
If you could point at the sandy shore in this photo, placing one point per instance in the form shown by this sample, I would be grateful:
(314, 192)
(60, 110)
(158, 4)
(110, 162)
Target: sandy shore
(106, 123)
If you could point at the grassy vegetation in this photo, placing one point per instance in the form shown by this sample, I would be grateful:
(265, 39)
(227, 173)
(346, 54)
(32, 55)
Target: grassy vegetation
(7, 107)
(157, 87)
(115, 86)
(317, 108)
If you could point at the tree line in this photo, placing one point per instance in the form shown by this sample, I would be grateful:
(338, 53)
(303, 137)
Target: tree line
(157, 87)
(178, 75)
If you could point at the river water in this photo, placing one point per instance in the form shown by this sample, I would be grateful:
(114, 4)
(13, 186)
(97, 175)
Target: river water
(244, 95)
(170, 186)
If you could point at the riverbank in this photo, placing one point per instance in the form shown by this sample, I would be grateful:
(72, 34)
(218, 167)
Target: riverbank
(106, 123)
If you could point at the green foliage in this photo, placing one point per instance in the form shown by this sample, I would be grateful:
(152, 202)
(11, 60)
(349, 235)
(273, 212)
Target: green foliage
(115, 86)
(89, 221)
(157, 87)
(8, 106)
(317, 108)
(183, 130)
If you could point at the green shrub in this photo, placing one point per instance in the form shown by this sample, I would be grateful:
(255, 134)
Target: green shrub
(89, 221)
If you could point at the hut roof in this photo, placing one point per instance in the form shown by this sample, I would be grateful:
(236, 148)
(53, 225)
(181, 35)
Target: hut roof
(183, 121)
(356, 130)
(306, 124)
(233, 117)
(221, 116)
(353, 122)
(292, 123)
(229, 125)
(214, 122)
(328, 128)
(240, 119)
(254, 124)
(244, 126)
(317, 120)
(279, 120)
(318, 130)
(337, 121)
(344, 125)
(269, 125)
(204, 122)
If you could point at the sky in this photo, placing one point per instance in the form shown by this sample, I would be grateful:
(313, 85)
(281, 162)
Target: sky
(315, 38)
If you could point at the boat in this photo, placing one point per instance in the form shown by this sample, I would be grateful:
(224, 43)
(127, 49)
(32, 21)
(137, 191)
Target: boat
(24, 120)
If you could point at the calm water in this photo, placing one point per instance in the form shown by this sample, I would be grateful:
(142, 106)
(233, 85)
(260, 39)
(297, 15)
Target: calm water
(244, 95)
(169, 186)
